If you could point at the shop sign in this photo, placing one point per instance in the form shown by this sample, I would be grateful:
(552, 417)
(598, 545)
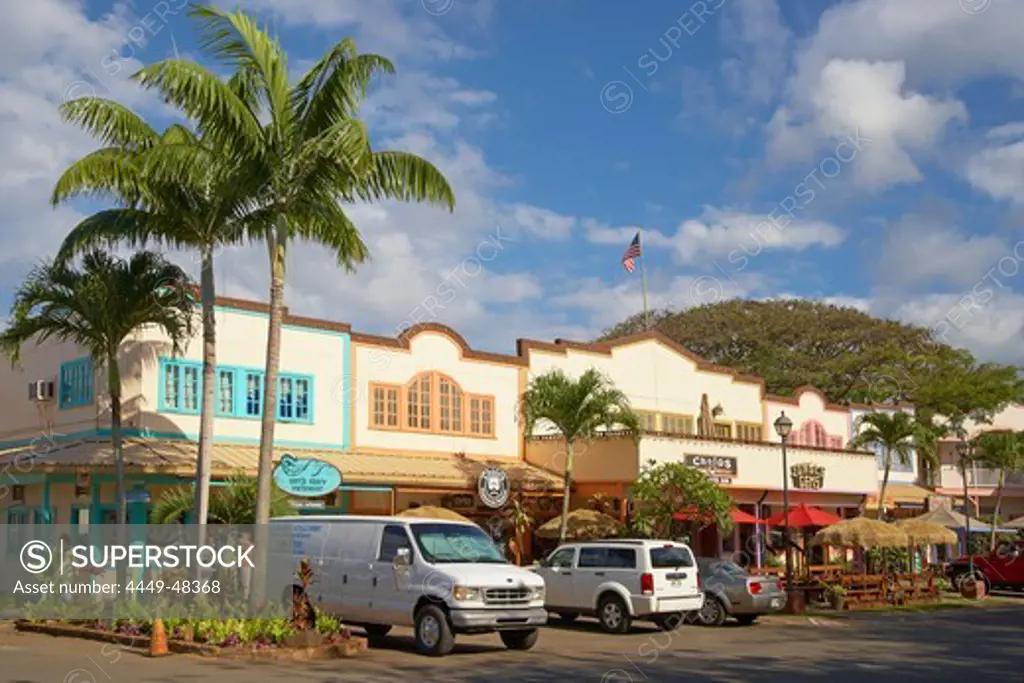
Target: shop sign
(721, 469)
(493, 487)
(306, 477)
(458, 501)
(308, 504)
(807, 475)
(137, 496)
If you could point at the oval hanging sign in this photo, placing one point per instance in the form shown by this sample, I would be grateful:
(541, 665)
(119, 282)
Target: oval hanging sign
(307, 477)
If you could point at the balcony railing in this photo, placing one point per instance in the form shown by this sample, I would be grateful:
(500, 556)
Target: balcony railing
(981, 477)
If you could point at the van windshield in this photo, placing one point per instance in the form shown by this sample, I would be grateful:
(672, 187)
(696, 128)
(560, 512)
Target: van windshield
(444, 543)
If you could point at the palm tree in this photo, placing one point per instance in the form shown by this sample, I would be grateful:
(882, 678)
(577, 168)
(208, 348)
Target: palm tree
(578, 409)
(1001, 450)
(299, 150)
(97, 308)
(895, 433)
(234, 503)
(172, 189)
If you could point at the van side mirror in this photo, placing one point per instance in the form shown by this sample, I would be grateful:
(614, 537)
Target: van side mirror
(403, 558)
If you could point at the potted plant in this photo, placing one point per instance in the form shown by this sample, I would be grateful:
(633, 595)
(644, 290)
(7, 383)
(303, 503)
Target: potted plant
(836, 596)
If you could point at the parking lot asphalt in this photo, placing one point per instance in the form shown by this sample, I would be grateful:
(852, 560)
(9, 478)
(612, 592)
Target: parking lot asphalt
(954, 645)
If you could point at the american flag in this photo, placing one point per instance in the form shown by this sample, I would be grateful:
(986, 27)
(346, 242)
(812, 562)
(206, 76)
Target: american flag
(632, 254)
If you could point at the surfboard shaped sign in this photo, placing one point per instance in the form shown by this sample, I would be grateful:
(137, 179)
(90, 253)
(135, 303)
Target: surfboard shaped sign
(306, 477)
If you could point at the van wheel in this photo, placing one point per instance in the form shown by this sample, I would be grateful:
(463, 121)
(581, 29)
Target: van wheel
(433, 634)
(377, 630)
(613, 614)
(519, 640)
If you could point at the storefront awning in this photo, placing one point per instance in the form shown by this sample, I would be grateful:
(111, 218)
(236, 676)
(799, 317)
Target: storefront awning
(170, 456)
(902, 495)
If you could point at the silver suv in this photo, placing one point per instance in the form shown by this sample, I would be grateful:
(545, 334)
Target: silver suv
(622, 580)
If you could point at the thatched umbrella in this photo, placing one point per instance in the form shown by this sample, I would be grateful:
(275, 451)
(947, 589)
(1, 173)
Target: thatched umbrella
(921, 532)
(433, 512)
(924, 533)
(861, 532)
(1015, 524)
(582, 525)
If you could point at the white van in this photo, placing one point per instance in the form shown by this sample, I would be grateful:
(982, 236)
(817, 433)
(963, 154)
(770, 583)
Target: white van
(621, 580)
(440, 577)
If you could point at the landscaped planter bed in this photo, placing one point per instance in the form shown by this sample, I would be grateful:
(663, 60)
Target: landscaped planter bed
(339, 648)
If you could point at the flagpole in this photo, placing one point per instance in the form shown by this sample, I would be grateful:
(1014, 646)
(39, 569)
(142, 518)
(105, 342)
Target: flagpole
(643, 274)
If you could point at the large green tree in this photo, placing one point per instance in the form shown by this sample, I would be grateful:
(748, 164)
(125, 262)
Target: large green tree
(1002, 451)
(97, 307)
(578, 409)
(300, 151)
(846, 353)
(170, 188)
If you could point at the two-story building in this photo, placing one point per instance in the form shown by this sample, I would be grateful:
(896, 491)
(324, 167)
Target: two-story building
(666, 384)
(982, 482)
(408, 420)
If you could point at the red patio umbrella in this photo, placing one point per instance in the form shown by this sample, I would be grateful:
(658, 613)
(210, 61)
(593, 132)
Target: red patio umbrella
(803, 515)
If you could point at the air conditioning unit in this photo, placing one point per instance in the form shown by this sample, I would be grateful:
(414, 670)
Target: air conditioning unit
(40, 390)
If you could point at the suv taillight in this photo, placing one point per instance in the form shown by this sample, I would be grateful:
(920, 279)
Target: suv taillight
(753, 587)
(647, 584)
(700, 582)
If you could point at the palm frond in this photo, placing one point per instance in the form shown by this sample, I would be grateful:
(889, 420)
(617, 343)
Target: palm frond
(335, 86)
(405, 177)
(235, 38)
(106, 173)
(110, 122)
(208, 100)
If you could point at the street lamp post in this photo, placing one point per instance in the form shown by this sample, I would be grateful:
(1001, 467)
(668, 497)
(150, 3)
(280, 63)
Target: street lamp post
(783, 427)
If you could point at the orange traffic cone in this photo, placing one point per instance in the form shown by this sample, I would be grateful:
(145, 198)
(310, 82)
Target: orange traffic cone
(158, 640)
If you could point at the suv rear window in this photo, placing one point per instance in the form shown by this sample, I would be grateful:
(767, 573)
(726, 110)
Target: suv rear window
(607, 558)
(670, 556)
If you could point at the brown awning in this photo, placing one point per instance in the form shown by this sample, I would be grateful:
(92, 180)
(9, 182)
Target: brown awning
(169, 456)
(902, 494)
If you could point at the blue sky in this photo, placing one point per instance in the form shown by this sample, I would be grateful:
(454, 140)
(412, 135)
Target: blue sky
(563, 124)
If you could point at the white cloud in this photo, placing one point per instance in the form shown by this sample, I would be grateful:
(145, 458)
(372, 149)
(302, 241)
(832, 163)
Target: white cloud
(392, 28)
(992, 331)
(541, 222)
(416, 100)
(50, 51)
(940, 44)
(925, 250)
(756, 33)
(867, 99)
(721, 232)
(998, 169)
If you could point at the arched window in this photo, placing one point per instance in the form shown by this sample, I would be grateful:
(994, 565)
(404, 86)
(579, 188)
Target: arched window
(417, 403)
(449, 404)
(812, 433)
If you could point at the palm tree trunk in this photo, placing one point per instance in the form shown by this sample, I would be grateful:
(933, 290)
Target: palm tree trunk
(114, 387)
(208, 295)
(566, 484)
(277, 272)
(999, 502)
(885, 483)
